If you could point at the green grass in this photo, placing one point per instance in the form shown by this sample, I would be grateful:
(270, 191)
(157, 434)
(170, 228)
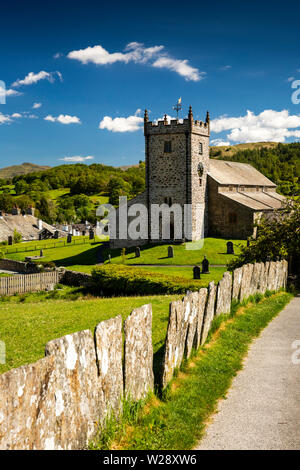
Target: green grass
(213, 248)
(27, 327)
(177, 421)
(54, 194)
(79, 255)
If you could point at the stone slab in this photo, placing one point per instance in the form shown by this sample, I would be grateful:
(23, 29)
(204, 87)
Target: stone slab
(138, 368)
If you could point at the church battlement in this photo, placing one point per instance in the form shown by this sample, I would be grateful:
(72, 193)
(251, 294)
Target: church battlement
(177, 126)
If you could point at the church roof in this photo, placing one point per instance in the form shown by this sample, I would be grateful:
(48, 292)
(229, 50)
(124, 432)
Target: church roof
(227, 172)
(256, 200)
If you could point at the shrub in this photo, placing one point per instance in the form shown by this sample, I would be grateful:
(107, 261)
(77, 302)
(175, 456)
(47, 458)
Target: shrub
(125, 280)
(17, 237)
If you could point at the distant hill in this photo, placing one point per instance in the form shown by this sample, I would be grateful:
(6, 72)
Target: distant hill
(230, 150)
(24, 169)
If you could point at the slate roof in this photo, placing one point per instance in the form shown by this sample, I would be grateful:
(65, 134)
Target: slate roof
(226, 172)
(27, 226)
(255, 200)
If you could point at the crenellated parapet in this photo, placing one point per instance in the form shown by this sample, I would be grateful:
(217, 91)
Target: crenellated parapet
(177, 126)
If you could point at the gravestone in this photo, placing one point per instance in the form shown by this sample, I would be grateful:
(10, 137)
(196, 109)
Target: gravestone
(137, 252)
(248, 241)
(205, 266)
(196, 272)
(170, 252)
(56, 234)
(230, 250)
(109, 258)
(92, 234)
(69, 238)
(10, 240)
(41, 253)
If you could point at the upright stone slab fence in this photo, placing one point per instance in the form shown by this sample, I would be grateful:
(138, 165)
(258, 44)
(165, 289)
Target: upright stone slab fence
(60, 401)
(138, 367)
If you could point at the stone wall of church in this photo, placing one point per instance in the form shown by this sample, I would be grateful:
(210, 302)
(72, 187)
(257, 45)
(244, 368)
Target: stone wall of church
(227, 218)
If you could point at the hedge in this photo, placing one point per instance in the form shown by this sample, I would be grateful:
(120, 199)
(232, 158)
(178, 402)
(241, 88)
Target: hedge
(126, 280)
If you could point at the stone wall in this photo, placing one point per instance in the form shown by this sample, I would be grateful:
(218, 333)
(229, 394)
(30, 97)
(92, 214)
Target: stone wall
(60, 401)
(201, 308)
(221, 209)
(18, 266)
(74, 278)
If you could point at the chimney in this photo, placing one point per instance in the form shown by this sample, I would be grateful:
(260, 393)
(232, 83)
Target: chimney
(40, 224)
(30, 211)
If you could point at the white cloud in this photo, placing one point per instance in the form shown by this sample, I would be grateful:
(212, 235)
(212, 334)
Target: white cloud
(226, 67)
(290, 79)
(57, 55)
(63, 119)
(77, 158)
(182, 67)
(33, 78)
(11, 92)
(129, 124)
(219, 142)
(136, 52)
(36, 105)
(269, 125)
(7, 119)
(4, 119)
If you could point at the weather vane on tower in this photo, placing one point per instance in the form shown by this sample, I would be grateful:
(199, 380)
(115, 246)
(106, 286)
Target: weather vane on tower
(178, 106)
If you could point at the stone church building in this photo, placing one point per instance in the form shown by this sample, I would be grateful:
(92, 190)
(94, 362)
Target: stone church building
(225, 197)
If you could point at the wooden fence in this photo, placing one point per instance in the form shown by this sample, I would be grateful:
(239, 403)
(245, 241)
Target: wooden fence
(27, 283)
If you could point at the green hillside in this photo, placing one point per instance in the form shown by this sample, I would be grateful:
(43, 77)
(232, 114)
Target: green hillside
(24, 169)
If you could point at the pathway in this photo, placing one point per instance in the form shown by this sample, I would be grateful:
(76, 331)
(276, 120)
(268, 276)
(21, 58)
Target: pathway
(262, 409)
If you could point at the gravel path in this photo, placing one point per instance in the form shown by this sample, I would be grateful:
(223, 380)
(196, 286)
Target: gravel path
(262, 409)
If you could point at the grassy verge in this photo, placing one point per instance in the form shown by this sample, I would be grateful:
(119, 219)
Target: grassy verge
(26, 326)
(177, 420)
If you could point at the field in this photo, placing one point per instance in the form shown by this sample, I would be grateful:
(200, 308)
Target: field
(27, 327)
(184, 254)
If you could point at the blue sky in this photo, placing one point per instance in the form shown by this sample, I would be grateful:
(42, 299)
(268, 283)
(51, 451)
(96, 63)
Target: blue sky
(91, 68)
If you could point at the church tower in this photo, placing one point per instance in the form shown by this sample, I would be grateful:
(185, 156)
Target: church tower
(177, 163)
